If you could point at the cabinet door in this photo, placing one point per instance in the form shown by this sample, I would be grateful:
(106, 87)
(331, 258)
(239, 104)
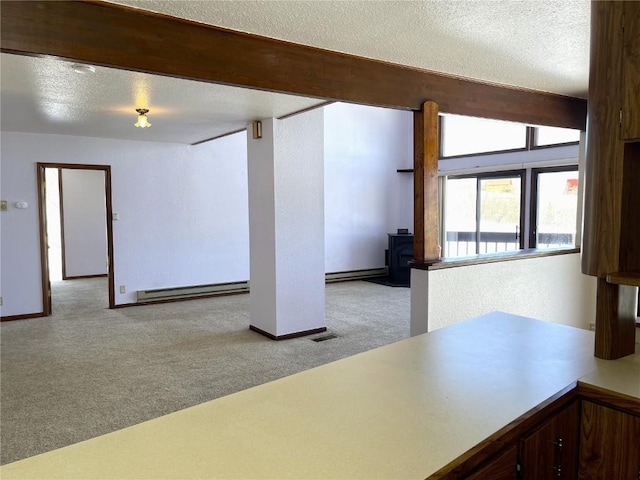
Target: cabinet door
(609, 444)
(631, 72)
(502, 467)
(551, 452)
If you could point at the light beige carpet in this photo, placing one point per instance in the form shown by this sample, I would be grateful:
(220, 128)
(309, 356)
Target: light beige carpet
(87, 370)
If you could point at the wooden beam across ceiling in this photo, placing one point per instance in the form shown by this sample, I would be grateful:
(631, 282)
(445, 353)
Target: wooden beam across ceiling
(122, 37)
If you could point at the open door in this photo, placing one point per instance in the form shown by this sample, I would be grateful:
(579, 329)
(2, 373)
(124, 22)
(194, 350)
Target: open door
(45, 241)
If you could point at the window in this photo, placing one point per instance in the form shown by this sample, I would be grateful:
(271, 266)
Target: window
(470, 135)
(461, 135)
(545, 136)
(555, 206)
(483, 214)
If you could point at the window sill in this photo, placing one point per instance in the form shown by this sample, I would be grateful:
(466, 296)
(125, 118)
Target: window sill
(498, 257)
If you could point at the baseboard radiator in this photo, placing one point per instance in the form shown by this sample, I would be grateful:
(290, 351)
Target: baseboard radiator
(193, 291)
(355, 275)
(175, 293)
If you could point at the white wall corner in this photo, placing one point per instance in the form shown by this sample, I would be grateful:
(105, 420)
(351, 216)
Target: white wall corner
(419, 302)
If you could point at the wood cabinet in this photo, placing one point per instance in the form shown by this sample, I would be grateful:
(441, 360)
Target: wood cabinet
(551, 451)
(502, 467)
(589, 434)
(631, 72)
(609, 444)
(611, 233)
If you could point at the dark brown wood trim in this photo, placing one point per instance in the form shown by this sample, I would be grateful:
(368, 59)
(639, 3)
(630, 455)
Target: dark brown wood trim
(109, 214)
(62, 243)
(10, 318)
(423, 265)
(533, 208)
(501, 257)
(425, 184)
(42, 224)
(628, 278)
(289, 335)
(609, 398)
(218, 137)
(109, 220)
(81, 277)
(506, 436)
(111, 35)
(305, 110)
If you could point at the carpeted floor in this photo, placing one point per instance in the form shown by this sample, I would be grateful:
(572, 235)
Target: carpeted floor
(87, 370)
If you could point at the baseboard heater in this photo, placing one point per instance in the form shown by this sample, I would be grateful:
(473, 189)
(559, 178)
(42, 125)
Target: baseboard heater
(355, 275)
(192, 291)
(174, 293)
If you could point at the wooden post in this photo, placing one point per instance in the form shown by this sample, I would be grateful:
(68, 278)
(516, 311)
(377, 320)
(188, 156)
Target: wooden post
(615, 320)
(425, 185)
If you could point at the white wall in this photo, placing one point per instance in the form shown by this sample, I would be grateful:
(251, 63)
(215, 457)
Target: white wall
(175, 227)
(85, 222)
(19, 234)
(365, 197)
(547, 288)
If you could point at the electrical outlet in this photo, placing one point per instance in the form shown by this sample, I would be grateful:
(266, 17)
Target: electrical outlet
(3, 205)
(122, 289)
(592, 327)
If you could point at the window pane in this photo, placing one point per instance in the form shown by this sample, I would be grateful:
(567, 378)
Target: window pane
(500, 200)
(557, 209)
(460, 217)
(553, 135)
(467, 135)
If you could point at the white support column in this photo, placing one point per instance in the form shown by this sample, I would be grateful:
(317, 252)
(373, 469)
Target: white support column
(286, 226)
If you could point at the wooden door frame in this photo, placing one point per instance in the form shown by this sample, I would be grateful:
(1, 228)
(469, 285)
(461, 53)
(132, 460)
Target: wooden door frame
(42, 213)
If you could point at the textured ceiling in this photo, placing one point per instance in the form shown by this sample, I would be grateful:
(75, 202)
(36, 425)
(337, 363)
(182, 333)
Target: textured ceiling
(46, 95)
(541, 44)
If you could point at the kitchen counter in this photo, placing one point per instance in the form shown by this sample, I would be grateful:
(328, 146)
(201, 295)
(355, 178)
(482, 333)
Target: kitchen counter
(400, 411)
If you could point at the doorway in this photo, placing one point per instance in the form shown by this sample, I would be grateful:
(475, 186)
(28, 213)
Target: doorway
(75, 248)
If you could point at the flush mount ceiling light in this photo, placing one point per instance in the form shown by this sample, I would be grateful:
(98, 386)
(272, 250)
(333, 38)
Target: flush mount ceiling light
(142, 122)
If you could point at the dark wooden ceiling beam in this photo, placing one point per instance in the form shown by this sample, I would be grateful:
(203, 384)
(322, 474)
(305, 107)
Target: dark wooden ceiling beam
(122, 37)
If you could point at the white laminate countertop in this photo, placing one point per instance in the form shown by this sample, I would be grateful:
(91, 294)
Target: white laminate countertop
(400, 411)
(620, 376)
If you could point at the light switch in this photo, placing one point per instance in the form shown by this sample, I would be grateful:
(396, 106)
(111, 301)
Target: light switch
(3, 205)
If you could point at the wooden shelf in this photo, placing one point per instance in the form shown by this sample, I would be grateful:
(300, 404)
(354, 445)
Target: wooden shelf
(624, 278)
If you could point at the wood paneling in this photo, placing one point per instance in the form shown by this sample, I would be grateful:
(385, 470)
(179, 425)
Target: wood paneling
(425, 184)
(122, 37)
(552, 451)
(630, 217)
(631, 71)
(604, 150)
(501, 468)
(615, 320)
(609, 444)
